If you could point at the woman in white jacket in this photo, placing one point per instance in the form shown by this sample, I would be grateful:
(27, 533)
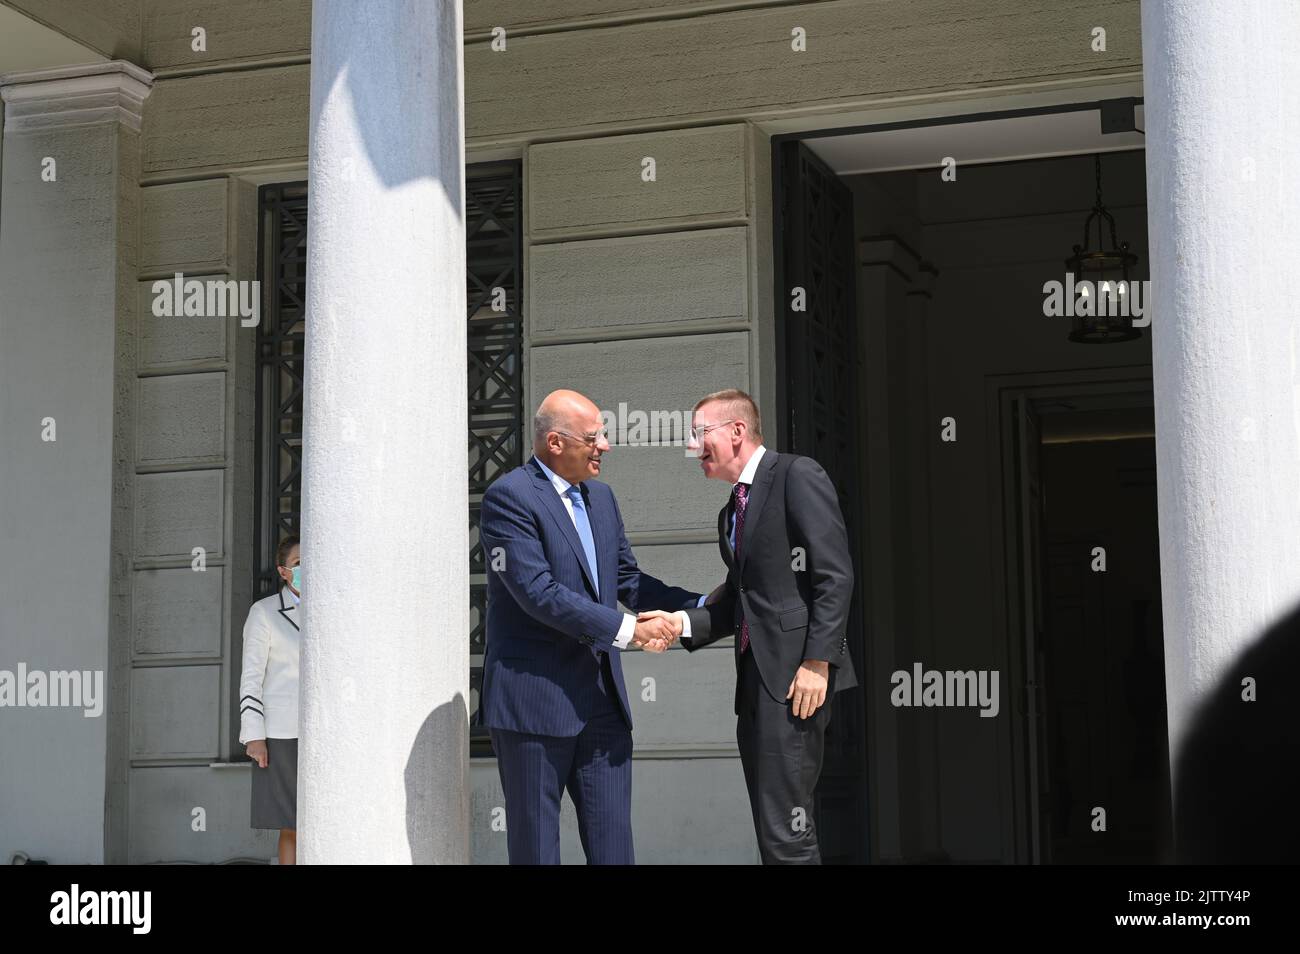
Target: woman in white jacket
(268, 702)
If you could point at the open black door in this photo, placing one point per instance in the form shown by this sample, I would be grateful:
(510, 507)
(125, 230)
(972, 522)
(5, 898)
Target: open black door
(817, 366)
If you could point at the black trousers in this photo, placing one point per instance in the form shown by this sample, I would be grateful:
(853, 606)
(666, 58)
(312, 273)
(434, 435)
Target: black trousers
(782, 758)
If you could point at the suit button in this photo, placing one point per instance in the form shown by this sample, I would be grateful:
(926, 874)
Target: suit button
(744, 589)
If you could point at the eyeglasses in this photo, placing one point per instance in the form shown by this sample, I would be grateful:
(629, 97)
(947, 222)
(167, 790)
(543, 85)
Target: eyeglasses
(589, 439)
(697, 433)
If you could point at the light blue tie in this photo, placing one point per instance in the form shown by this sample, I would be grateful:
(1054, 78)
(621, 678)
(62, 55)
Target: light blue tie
(584, 532)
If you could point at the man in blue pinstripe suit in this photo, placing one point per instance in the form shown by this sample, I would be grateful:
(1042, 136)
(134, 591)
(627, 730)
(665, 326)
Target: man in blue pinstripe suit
(553, 694)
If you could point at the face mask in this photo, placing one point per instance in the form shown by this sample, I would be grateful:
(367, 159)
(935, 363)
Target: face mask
(297, 579)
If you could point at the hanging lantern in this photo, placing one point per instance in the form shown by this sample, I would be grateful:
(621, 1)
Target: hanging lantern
(1101, 312)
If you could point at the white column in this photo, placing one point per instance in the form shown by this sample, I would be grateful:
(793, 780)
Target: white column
(1222, 83)
(383, 739)
(69, 227)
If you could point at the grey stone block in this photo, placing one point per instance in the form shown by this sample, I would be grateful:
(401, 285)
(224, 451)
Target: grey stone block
(180, 341)
(181, 418)
(596, 184)
(621, 285)
(179, 511)
(178, 612)
(175, 711)
(184, 226)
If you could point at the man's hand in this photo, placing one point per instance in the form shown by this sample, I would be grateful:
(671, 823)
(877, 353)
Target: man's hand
(717, 594)
(656, 630)
(256, 750)
(808, 688)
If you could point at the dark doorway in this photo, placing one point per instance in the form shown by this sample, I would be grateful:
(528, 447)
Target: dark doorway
(960, 560)
(1099, 722)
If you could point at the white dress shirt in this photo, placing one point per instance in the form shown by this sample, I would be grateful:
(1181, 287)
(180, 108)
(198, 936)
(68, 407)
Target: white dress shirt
(628, 627)
(746, 478)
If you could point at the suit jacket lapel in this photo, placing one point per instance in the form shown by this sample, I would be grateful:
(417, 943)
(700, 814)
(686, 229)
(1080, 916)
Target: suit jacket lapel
(724, 543)
(288, 610)
(553, 505)
(758, 494)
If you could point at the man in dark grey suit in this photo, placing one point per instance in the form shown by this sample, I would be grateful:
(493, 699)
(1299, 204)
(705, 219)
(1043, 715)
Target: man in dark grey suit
(786, 600)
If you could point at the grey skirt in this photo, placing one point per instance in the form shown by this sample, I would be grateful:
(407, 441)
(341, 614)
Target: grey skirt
(275, 788)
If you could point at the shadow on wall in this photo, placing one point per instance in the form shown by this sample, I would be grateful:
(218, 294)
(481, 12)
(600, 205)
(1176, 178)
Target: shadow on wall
(437, 770)
(1238, 768)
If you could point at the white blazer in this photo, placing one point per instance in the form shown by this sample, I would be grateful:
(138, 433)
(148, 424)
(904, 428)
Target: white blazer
(268, 687)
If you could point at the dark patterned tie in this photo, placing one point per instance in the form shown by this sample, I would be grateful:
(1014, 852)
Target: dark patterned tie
(742, 501)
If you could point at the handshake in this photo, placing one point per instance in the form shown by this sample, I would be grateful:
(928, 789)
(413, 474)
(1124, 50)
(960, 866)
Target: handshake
(656, 630)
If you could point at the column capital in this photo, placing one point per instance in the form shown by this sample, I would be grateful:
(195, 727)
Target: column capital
(906, 262)
(890, 251)
(75, 95)
(924, 279)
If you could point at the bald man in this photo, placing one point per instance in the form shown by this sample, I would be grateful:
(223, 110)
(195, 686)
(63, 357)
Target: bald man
(553, 694)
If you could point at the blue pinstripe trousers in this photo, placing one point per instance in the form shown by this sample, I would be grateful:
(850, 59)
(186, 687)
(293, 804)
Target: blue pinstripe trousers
(595, 767)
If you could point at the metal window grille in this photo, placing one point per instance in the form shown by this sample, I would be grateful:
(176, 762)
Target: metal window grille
(494, 298)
